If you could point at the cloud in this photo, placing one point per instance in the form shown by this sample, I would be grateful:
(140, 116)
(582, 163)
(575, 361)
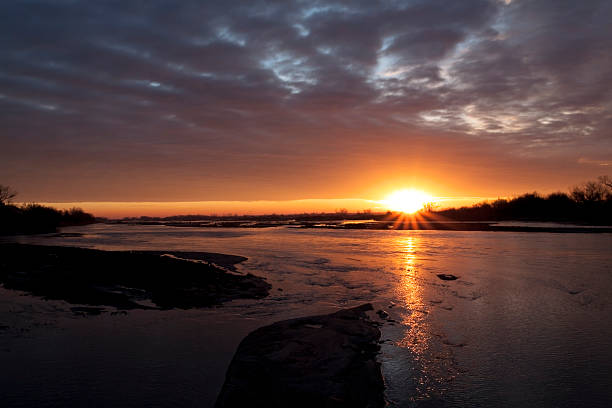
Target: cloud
(246, 78)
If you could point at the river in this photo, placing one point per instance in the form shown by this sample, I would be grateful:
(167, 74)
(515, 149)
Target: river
(527, 322)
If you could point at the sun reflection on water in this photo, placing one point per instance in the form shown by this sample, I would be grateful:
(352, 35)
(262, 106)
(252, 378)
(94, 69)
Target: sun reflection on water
(418, 337)
(411, 291)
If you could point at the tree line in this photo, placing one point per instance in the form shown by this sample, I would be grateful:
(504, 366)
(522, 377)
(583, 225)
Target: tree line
(589, 202)
(35, 218)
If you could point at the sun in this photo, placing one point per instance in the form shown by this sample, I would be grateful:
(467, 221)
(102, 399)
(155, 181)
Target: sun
(407, 201)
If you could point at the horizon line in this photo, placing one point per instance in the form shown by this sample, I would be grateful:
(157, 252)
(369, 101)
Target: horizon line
(125, 209)
(436, 198)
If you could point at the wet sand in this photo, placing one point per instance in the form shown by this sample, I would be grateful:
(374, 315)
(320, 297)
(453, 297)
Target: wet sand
(126, 279)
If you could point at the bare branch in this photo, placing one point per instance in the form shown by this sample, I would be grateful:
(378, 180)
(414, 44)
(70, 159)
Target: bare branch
(605, 180)
(6, 195)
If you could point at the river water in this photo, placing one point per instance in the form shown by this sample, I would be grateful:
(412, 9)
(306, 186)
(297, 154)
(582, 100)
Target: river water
(527, 323)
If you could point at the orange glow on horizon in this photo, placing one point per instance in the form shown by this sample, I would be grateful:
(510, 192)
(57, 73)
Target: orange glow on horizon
(165, 209)
(118, 209)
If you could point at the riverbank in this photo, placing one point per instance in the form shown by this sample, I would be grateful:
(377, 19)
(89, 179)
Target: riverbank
(126, 279)
(429, 225)
(401, 223)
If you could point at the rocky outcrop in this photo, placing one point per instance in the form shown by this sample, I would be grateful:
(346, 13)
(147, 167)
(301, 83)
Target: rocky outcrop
(319, 361)
(447, 276)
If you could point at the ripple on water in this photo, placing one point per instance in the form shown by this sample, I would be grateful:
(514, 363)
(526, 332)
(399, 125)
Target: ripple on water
(526, 323)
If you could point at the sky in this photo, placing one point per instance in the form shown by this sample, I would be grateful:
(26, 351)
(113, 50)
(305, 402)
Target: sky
(285, 101)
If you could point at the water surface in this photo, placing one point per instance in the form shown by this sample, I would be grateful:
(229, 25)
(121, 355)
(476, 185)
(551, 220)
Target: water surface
(525, 324)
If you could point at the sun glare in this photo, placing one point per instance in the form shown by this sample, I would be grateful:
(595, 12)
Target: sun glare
(407, 201)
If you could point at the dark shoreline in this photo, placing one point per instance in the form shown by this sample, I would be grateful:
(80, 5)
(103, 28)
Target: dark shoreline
(424, 225)
(400, 224)
(127, 279)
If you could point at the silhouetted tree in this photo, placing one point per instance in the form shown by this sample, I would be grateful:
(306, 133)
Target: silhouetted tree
(76, 216)
(35, 218)
(6, 195)
(429, 207)
(593, 191)
(605, 180)
(590, 202)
